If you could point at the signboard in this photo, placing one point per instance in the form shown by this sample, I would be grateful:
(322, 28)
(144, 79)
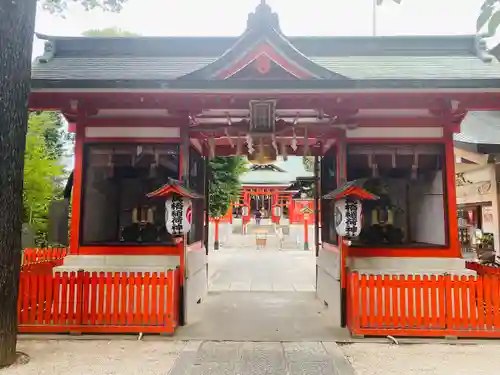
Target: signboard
(348, 217)
(487, 219)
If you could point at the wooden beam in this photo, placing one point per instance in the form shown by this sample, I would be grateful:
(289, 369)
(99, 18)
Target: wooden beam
(129, 122)
(196, 102)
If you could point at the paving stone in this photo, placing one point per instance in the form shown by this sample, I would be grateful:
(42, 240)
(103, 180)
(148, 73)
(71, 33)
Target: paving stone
(184, 363)
(218, 352)
(305, 352)
(262, 346)
(262, 359)
(240, 286)
(342, 364)
(270, 354)
(261, 368)
(283, 287)
(304, 287)
(312, 368)
(213, 368)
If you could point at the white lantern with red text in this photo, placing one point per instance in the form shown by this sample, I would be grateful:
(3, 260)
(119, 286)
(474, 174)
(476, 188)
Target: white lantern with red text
(178, 215)
(348, 217)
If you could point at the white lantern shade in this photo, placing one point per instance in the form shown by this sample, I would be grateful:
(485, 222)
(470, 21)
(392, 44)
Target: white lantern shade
(178, 215)
(348, 214)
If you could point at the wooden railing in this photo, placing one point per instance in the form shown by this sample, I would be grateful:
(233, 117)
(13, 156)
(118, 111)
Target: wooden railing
(42, 258)
(445, 305)
(482, 269)
(84, 302)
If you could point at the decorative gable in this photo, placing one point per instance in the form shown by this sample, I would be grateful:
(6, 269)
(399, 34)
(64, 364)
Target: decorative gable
(262, 52)
(264, 62)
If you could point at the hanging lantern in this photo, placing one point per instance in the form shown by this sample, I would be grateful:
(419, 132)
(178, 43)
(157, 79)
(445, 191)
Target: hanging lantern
(178, 206)
(348, 207)
(178, 215)
(348, 214)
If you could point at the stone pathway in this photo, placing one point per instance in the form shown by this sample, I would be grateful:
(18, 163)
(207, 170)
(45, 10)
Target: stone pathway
(256, 358)
(245, 270)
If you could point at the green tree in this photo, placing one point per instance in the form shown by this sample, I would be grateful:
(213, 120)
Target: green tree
(224, 187)
(42, 170)
(17, 24)
(109, 32)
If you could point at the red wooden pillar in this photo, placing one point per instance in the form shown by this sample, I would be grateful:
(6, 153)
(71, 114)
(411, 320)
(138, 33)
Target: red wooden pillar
(291, 210)
(306, 231)
(274, 205)
(216, 234)
(246, 203)
(77, 189)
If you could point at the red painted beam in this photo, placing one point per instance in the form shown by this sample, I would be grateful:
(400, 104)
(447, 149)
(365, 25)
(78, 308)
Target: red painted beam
(130, 122)
(178, 101)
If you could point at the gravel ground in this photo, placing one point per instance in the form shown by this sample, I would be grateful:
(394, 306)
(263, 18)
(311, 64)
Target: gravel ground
(427, 359)
(124, 357)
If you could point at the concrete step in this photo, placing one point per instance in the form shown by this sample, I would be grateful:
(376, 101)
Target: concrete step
(121, 260)
(114, 269)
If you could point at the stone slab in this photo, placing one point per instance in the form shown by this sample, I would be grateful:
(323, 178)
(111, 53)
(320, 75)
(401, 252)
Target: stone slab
(260, 358)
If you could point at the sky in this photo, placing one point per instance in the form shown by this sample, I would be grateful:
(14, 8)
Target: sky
(297, 17)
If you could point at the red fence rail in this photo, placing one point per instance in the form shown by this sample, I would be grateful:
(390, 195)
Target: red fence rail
(444, 305)
(482, 269)
(42, 260)
(84, 302)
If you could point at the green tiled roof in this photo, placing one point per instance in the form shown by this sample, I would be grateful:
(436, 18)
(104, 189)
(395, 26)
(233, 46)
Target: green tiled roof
(353, 67)
(480, 128)
(356, 58)
(410, 67)
(291, 170)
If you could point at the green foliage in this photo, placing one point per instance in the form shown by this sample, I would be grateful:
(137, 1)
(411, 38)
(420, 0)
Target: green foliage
(224, 183)
(108, 32)
(42, 172)
(59, 6)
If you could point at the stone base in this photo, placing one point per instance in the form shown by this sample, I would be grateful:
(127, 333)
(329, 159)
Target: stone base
(118, 263)
(425, 266)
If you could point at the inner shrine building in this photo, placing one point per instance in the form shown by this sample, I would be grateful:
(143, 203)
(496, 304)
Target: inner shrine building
(375, 114)
(280, 190)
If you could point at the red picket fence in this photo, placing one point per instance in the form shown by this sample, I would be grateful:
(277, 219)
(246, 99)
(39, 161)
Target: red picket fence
(42, 261)
(445, 305)
(482, 269)
(83, 302)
